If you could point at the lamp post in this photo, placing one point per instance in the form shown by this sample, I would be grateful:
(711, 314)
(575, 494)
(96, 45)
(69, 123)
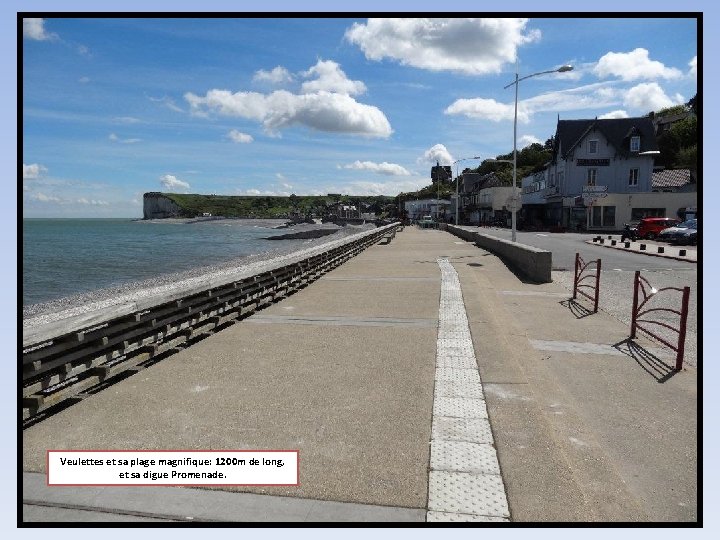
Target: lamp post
(561, 69)
(457, 182)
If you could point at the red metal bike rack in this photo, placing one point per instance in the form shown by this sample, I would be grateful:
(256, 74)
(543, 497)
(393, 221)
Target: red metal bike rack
(641, 285)
(580, 267)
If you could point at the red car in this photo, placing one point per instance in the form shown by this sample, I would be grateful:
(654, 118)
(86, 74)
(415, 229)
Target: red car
(650, 227)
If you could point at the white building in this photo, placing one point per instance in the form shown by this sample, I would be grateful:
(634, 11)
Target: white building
(437, 208)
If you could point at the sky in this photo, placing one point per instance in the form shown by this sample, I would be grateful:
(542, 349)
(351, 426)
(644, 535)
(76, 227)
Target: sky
(115, 107)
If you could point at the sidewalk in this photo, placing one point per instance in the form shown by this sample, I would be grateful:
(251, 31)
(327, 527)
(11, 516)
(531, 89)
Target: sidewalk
(344, 371)
(652, 248)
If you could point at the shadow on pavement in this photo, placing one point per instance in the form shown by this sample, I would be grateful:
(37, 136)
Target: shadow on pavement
(653, 365)
(576, 308)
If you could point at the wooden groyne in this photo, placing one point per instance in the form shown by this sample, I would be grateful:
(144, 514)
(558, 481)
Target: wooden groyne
(73, 357)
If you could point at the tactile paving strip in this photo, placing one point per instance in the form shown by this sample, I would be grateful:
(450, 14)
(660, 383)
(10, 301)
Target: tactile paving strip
(450, 374)
(465, 482)
(459, 388)
(467, 493)
(462, 429)
(459, 407)
(451, 517)
(462, 456)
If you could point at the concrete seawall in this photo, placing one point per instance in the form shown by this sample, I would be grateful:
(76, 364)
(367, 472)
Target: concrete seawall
(76, 350)
(533, 263)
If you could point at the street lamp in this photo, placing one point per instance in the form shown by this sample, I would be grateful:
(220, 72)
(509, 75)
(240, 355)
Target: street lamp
(561, 69)
(457, 181)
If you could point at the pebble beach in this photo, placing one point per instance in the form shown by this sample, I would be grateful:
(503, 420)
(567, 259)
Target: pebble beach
(42, 313)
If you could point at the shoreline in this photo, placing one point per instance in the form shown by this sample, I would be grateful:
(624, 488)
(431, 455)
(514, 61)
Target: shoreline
(47, 311)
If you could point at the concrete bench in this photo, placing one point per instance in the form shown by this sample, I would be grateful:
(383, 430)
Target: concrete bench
(388, 236)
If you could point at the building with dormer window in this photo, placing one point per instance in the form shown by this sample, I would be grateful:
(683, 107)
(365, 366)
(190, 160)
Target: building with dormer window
(600, 171)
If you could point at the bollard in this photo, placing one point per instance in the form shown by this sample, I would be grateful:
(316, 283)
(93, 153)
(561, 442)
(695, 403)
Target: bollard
(602, 240)
(683, 252)
(661, 249)
(627, 244)
(613, 242)
(609, 237)
(643, 247)
(595, 239)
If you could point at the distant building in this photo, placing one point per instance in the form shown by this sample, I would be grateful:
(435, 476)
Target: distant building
(441, 172)
(427, 207)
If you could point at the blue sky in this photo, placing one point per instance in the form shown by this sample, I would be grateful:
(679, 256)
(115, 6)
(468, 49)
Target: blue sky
(113, 108)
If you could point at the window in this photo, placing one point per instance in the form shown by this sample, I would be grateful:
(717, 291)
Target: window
(608, 216)
(637, 214)
(603, 216)
(591, 177)
(592, 147)
(559, 178)
(635, 144)
(552, 179)
(633, 178)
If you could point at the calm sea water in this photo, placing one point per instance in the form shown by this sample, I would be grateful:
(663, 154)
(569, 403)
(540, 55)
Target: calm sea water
(62, 257)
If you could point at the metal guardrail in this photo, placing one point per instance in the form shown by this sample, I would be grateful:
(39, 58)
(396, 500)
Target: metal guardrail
(642, 286)
(64, 361)
(582, 274)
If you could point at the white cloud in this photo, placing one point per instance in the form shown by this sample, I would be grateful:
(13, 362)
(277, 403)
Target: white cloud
(470, 46)
(239, 137)
(168, 181)
(633, 66)
(32, 171)
(614, 114)
(330, 78)
(391, 187)
(127, 120)
(646, 97)
(38, 196)
(391, 169)
(167, 101)
(591, 96)
(693, 67)
(323, 111)
(487, 109)
(266, 193)
(527, 140)
(438, 153)
(277, 75)
(117, 139)
(84, 80)
(83, 200)
(35, 29)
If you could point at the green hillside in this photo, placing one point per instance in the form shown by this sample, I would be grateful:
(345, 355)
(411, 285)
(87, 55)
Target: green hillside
(272, 207)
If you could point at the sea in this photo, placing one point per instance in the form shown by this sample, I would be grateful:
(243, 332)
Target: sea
(66, 257)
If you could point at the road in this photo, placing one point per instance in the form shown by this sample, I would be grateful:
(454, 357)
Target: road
(618, 269)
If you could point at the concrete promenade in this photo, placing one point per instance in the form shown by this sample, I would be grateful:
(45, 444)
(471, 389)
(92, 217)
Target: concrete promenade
(587, 426)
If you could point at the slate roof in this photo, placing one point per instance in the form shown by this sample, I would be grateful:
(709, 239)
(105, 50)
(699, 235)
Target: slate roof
(617, 131)
(671, 178)
(473, 182)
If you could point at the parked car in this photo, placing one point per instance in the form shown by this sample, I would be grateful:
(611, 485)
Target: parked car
(683, 233)
(650, 227)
